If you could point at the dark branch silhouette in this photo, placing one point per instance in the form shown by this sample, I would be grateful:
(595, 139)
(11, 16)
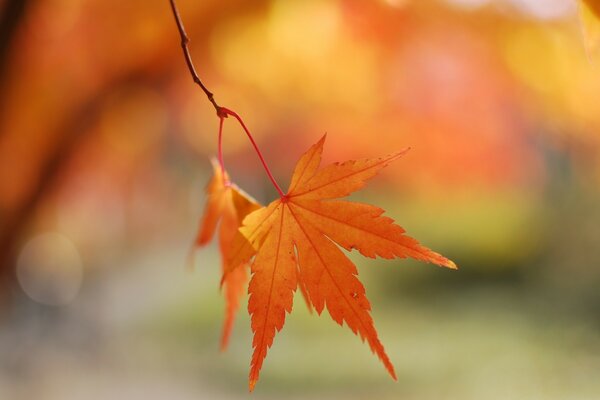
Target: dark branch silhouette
(188, 59)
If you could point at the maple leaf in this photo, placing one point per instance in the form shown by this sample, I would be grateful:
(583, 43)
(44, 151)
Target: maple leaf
(293, 241)
(228, 204)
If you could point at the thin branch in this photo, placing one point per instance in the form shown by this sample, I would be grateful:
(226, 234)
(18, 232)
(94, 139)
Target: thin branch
(188, 58)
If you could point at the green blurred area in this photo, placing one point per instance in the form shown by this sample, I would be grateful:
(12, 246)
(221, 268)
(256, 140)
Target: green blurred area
(104, 148)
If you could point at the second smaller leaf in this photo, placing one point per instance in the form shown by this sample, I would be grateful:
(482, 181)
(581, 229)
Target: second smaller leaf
(226, 206)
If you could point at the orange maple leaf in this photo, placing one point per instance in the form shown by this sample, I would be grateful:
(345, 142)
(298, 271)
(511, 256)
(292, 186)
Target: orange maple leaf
(228, 204)
(294, 242)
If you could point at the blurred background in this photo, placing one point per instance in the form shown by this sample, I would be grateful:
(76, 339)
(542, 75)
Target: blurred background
(104, 153)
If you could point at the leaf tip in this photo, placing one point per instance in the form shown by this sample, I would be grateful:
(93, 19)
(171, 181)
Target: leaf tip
(215, 164)
(444, 262)
(321, 142)
(389, 367)
(403, 152)
(251, 385)
(451, 264)
(224, 343)
(394, 156)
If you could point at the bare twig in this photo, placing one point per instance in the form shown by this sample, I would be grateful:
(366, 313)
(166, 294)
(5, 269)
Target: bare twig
(188, 59)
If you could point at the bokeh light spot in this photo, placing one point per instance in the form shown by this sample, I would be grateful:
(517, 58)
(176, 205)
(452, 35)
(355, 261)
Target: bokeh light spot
(50, 270)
